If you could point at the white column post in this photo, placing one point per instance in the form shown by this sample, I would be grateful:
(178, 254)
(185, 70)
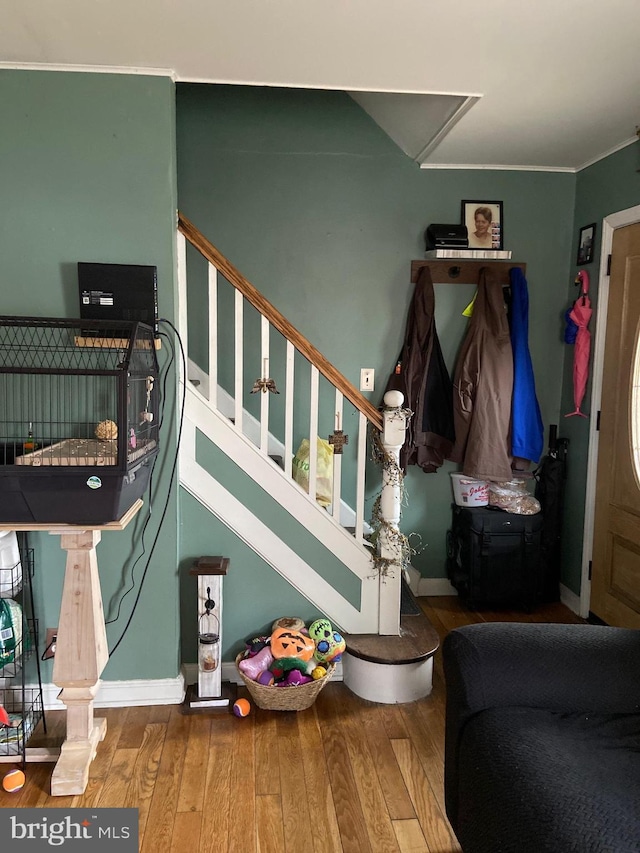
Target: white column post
(394, 426)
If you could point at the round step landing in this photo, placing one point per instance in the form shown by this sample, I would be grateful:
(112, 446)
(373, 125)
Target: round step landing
(390, 669)
(389, 684)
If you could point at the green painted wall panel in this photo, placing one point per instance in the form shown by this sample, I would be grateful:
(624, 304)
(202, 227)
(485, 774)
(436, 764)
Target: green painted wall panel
(87, 170)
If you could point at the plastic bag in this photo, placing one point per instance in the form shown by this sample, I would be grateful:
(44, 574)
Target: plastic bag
(512, 496)
(324, 470)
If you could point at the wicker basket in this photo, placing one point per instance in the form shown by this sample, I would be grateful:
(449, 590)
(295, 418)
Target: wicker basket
(285, 698)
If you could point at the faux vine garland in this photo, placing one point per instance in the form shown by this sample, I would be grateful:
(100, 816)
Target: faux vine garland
(399, 541)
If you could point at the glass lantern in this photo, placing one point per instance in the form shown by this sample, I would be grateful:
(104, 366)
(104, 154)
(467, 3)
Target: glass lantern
(208, 643)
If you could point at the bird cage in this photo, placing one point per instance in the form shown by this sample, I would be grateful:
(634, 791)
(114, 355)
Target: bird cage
(78, 418)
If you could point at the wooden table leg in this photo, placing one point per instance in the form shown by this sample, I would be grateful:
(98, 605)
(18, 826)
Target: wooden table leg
(81, 655)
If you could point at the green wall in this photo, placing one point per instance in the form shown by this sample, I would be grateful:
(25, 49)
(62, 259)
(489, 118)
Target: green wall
(87, 170)
(607, 187)
(315, 205)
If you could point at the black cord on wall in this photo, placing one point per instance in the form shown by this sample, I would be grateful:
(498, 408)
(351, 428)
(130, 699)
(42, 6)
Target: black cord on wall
(169, 490)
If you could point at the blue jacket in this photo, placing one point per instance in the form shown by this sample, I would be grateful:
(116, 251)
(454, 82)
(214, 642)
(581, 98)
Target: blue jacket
(527, 430)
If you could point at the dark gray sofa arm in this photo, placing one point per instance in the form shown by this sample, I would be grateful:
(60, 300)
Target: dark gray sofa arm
(568, 668)
(564, 667)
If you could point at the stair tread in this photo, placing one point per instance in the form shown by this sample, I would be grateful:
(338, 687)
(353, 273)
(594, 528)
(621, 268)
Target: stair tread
(418, 640)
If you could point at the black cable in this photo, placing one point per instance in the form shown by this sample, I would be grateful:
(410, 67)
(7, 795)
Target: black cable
(163, 398)
(173, 472)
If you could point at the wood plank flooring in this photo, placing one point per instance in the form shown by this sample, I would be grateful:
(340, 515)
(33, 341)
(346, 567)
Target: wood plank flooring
(346, 776)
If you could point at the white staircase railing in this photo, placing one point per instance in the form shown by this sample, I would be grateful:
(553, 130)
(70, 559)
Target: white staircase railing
(252, 433)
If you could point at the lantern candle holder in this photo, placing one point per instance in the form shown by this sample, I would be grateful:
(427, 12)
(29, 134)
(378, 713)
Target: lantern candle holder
(210, 692)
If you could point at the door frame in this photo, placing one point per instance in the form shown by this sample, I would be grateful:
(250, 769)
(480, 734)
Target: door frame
(609, 224)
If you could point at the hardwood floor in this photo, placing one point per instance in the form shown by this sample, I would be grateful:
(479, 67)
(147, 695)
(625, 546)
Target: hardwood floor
(346, 776)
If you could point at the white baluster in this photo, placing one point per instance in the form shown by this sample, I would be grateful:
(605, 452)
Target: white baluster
(182, 300)
(337, 463)
(213, 336)
(288, 405)
(313, 432)
(239, 304)
(360, 476)
(264, 395)
(394, 424)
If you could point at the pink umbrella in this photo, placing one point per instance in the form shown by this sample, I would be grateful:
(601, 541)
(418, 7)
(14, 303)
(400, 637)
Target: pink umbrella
(581, 314)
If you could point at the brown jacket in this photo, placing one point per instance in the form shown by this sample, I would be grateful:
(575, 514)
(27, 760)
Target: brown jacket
(422, 376)
(482, 388)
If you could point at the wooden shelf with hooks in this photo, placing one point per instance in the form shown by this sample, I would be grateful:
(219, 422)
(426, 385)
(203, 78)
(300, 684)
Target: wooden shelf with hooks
(460, 271)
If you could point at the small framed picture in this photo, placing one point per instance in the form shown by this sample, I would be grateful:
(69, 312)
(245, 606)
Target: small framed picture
(484, 224)
(586, 242)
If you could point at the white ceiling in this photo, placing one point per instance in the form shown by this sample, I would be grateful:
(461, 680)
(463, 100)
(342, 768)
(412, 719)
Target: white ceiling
(557, 82)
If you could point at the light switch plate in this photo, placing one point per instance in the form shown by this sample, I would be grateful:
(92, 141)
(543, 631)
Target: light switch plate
(367, 375)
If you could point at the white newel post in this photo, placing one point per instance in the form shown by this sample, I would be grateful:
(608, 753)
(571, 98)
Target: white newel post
(394, 427)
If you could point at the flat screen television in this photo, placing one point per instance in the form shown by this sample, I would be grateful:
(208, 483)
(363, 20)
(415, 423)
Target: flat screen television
(119, 292)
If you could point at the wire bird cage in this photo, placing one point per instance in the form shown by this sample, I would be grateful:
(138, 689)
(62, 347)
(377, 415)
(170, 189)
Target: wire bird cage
(78, 418)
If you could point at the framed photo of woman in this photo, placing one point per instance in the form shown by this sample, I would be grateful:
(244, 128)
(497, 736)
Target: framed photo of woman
(484, 223)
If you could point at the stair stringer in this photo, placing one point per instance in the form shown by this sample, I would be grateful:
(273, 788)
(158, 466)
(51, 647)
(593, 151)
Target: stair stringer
(273, 550)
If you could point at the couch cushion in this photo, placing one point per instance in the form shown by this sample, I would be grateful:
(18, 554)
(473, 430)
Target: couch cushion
(535, 781)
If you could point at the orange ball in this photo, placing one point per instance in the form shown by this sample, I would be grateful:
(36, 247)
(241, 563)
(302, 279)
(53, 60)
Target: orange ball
(241, 707)
(13, 781)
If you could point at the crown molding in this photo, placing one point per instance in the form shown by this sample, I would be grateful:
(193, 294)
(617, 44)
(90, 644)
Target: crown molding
(89, 69)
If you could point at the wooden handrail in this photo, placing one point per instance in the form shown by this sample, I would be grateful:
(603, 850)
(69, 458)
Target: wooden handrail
(277, 320)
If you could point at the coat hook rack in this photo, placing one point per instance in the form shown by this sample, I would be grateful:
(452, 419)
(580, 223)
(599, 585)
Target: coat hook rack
(465, 272)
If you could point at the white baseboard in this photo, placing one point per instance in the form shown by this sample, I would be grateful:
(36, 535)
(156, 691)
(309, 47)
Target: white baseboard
(435, 586)
(122, 694)
(570, 599)
(441, 586)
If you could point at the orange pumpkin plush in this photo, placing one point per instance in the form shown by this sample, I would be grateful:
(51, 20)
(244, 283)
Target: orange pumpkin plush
(286, 643)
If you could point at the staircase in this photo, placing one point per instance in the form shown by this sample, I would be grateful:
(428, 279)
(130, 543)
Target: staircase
(252, 404)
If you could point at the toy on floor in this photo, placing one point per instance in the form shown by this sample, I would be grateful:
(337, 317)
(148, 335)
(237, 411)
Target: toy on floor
(294, 679)
(292, 655)
(13, 781)
(241, 707)
(254, 666)
(292, 623)
(329, 643)
(286, 643)
(281, 667)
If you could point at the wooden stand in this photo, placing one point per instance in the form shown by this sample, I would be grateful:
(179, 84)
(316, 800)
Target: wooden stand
(81, 648)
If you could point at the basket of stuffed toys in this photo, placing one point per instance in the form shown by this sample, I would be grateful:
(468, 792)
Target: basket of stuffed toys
(286, 670)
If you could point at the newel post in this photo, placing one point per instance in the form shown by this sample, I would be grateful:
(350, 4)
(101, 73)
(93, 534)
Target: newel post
(394, 427)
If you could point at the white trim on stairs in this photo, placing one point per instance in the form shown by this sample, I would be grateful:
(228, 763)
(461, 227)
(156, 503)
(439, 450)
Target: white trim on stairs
(276, 553)
(251, 429)
(274, 481)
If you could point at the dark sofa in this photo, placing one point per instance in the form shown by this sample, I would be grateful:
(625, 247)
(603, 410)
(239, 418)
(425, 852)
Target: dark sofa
(543, 738)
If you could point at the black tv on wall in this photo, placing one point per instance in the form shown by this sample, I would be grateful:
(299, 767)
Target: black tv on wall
(119, 292)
